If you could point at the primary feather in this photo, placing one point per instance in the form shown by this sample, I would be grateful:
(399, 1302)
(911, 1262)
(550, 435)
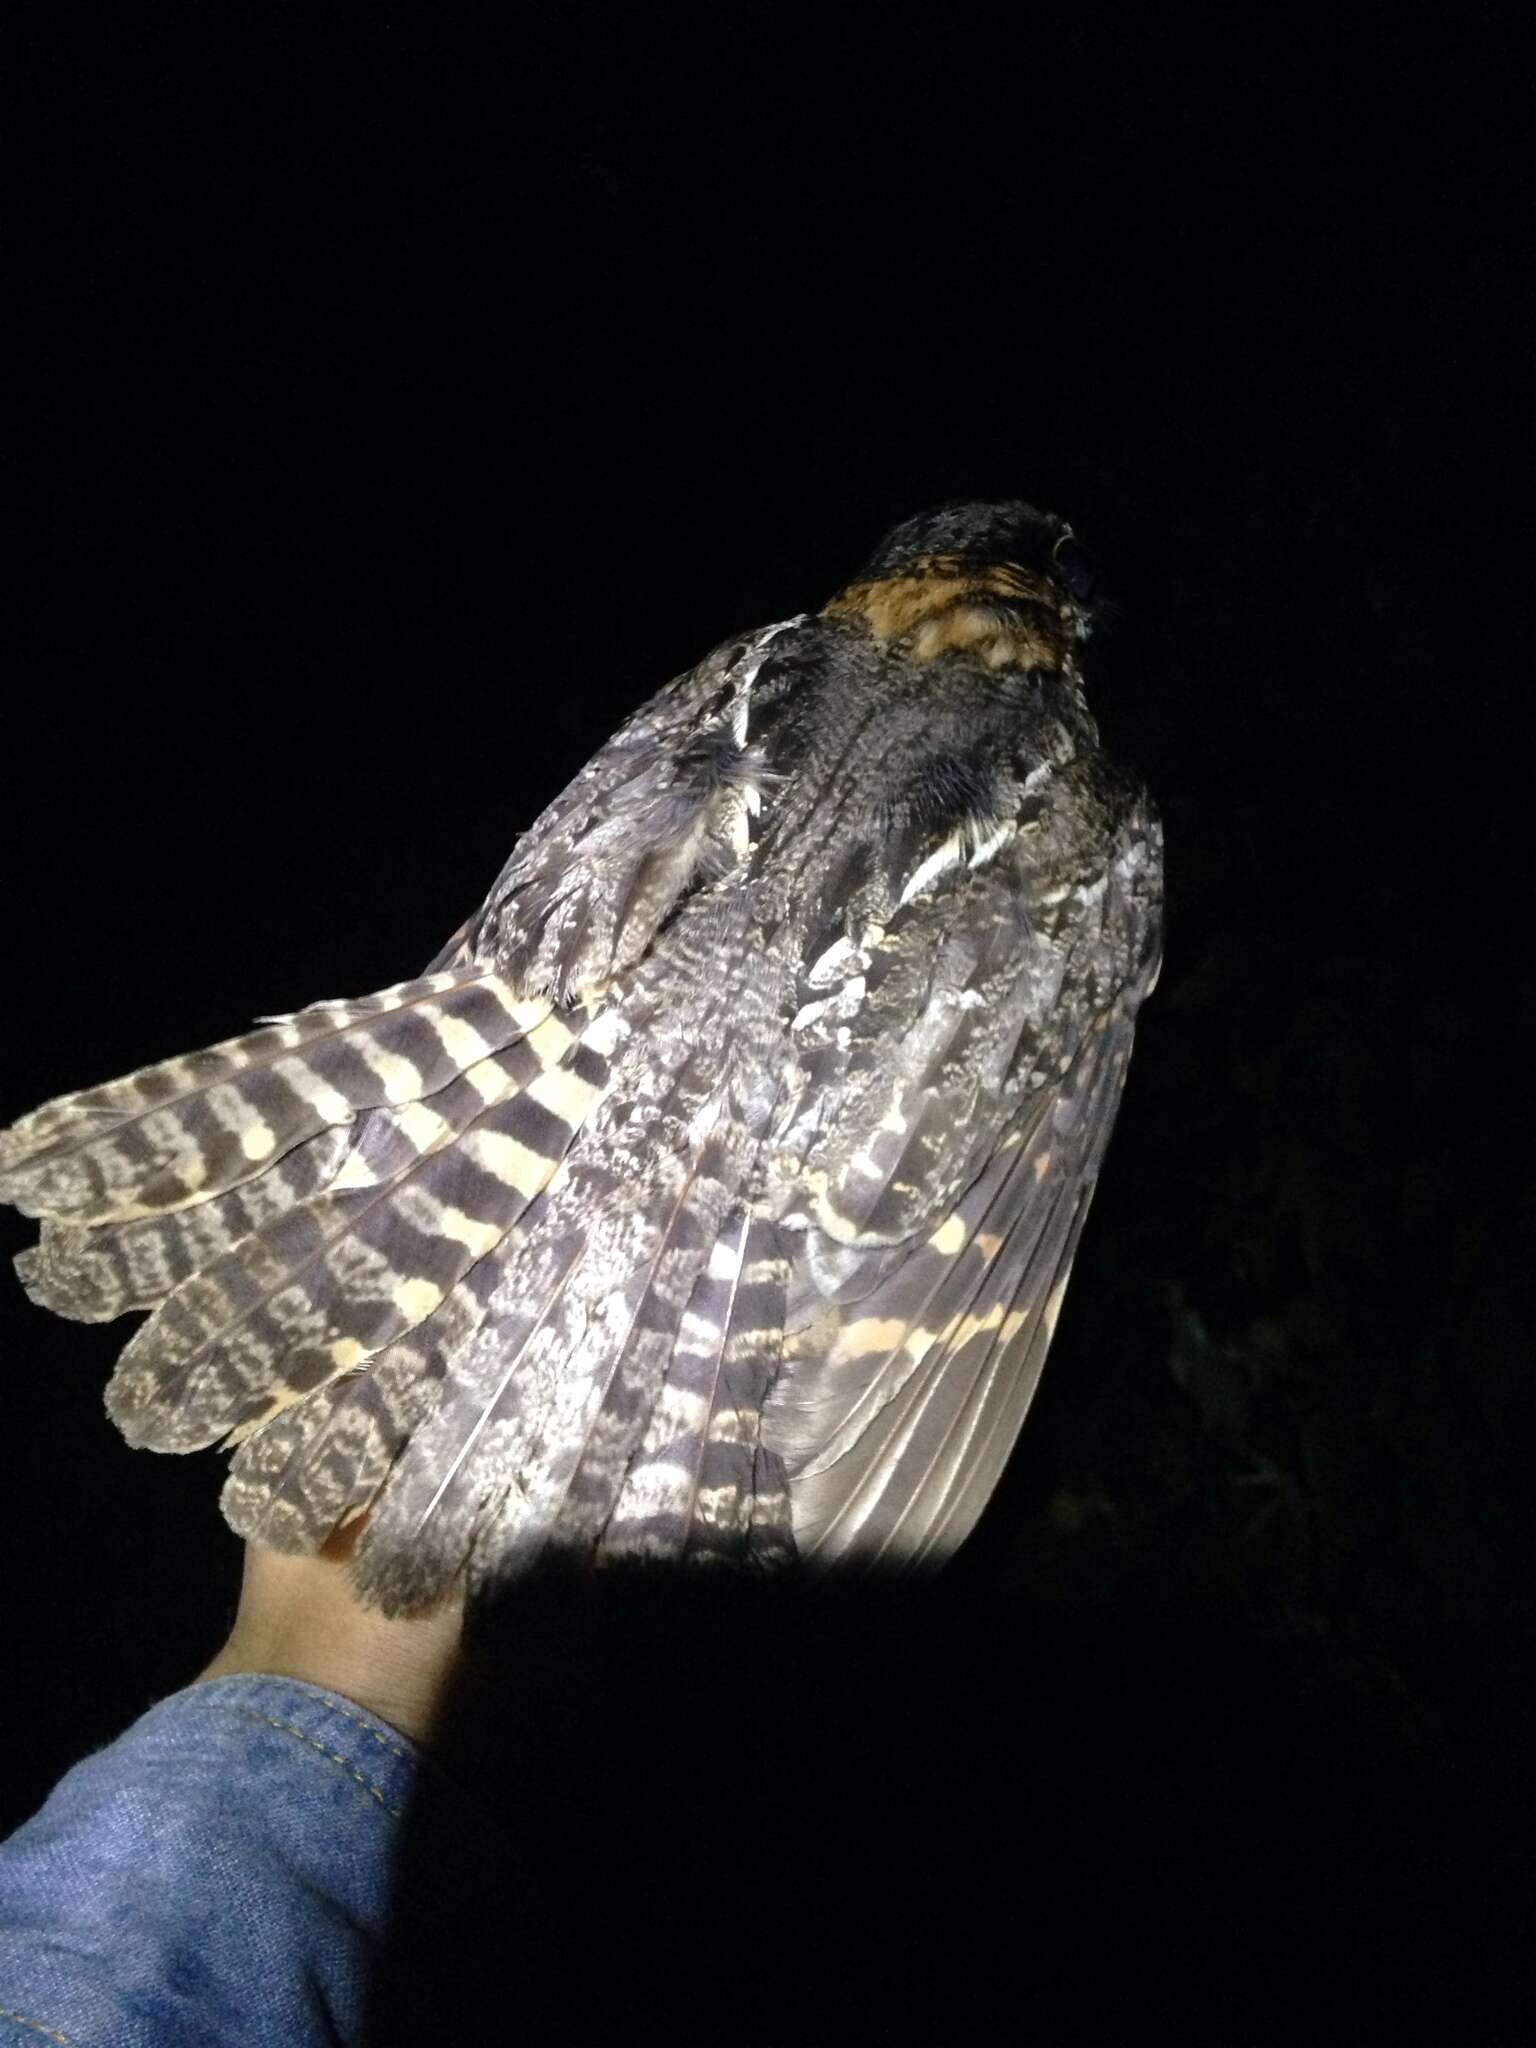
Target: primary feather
(713, 1196)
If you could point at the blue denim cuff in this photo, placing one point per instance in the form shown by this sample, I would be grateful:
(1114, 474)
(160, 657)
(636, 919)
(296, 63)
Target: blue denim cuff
(220, 1874)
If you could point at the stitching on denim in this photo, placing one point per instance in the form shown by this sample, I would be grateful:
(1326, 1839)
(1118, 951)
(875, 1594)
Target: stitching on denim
(394, 1747)
(286, 1728)
(37, 2027)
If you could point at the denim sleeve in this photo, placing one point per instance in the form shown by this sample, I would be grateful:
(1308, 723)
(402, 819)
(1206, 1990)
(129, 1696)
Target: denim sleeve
(219, 1874)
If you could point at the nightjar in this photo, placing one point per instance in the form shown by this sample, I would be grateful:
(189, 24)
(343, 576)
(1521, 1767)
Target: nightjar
(712, 1195)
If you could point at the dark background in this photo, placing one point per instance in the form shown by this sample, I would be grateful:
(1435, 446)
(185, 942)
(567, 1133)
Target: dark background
(404, 396)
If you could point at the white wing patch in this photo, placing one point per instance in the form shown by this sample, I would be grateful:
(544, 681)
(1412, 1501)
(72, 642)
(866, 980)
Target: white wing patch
(972, 846)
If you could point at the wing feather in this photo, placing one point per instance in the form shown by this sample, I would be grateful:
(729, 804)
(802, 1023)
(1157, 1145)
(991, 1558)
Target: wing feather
(426, 1190)
(320, 1462)
(898, 1414)
(547, 1404)
(175, 1134)
(702, 1486)
(94, 1274)
(660, 1219)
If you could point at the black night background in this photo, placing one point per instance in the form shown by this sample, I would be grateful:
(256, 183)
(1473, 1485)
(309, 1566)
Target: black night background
(402, 396)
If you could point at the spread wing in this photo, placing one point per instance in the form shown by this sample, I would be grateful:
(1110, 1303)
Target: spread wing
(592, 1236)
(350, 1223)
(962, 1112)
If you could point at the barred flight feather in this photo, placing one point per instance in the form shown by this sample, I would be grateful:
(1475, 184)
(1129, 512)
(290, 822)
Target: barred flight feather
(92, 1275)
(425, 1191)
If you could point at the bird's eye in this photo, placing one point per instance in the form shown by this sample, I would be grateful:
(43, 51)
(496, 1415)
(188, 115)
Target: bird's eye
(1074, 565)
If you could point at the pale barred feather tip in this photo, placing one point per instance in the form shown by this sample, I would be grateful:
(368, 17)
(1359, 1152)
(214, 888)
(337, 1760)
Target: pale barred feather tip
(95, 1274)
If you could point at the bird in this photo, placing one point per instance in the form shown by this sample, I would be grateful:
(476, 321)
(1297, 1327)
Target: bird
(709, 1199)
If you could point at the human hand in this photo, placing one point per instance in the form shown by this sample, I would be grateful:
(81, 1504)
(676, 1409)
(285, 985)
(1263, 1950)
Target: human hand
(300, 1618)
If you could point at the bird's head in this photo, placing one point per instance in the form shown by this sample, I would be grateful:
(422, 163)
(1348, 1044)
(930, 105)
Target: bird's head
(999, 582)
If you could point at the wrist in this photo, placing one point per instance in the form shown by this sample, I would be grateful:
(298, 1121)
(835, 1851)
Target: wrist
(299, 1618)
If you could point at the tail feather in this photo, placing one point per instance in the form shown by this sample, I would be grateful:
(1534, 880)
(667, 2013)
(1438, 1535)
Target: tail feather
(179, 1133)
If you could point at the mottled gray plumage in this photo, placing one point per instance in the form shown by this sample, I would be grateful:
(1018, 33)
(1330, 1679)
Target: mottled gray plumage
(713, 1196)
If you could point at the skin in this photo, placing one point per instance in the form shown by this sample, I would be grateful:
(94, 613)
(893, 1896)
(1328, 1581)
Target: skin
(299, 1618)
